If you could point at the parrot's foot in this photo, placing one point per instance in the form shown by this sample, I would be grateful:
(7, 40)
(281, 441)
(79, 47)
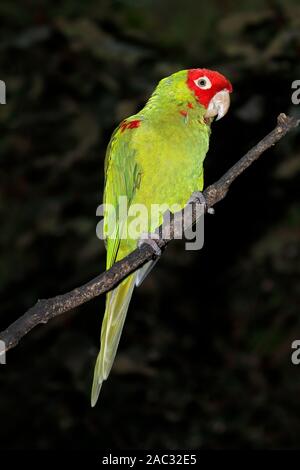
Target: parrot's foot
(199, 197)
(152, 240)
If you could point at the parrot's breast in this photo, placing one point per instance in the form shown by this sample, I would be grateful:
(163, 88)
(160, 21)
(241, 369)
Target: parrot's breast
(170, 157)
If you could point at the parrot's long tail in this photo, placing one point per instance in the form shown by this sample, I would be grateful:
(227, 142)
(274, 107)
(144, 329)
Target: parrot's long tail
(117, 303)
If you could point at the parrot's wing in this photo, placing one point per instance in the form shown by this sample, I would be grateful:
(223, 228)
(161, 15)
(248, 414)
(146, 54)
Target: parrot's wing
(122, 177)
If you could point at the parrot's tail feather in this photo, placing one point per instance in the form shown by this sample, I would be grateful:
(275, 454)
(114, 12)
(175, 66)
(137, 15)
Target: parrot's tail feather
(143, 272)
(117, 303)
(95, 391)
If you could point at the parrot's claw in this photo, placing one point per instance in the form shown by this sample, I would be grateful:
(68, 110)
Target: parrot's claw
(199, 196)
(150, 239)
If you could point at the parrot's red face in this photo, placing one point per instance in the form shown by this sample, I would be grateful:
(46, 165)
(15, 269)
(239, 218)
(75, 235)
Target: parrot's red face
(211, 89)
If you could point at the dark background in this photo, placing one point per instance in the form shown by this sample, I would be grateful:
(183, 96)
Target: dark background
(205, 357)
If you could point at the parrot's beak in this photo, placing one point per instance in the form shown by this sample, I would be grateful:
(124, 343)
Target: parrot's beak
(218, 105)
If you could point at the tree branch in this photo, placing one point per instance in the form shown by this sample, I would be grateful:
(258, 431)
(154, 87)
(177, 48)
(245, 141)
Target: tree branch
(46, 309)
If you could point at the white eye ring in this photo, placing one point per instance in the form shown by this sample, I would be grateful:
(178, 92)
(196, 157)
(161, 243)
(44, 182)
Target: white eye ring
(203, 82)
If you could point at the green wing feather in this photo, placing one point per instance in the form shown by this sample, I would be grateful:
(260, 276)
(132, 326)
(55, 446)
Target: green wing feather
(121, 179)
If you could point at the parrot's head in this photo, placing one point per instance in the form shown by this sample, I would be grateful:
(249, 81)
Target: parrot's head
(198, 87)
(211, 89)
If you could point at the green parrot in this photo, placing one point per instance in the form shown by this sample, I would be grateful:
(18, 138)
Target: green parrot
(154, 157)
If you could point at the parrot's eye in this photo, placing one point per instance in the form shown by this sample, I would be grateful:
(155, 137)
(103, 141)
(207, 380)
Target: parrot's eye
(203, 82)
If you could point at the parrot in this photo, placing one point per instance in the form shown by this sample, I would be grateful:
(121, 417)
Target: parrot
(154, 157)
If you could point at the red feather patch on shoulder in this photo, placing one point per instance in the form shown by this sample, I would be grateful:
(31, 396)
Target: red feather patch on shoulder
(183, 113)
(130, 124)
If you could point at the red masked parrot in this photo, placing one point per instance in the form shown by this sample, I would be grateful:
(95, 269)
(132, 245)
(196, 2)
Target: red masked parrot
(154, 157)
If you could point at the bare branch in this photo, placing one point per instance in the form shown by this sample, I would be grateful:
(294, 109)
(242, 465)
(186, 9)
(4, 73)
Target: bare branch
(46, 309)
